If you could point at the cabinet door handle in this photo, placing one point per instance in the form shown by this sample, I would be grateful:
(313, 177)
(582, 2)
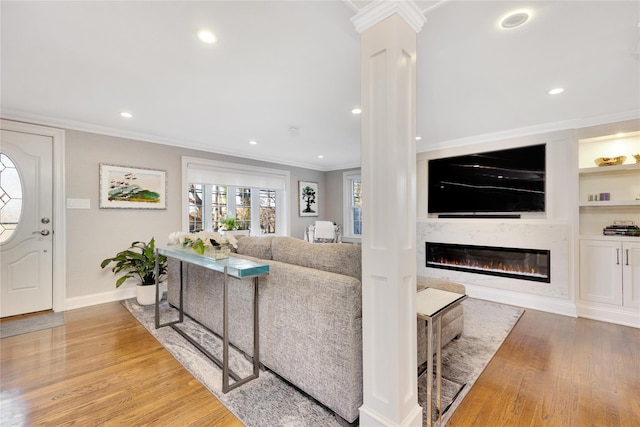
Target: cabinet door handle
(617, 256)
(627, 253)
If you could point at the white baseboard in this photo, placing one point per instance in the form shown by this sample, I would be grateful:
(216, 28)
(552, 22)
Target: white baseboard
(534, 302)
(104, 297)
(101, 298)
(611, 315)
(370, 417)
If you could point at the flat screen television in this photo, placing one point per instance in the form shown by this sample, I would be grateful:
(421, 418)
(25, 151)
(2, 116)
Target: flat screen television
(502, 181)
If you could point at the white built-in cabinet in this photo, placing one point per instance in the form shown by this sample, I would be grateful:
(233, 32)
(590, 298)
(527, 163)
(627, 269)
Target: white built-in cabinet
(610, 272)
(609, 266)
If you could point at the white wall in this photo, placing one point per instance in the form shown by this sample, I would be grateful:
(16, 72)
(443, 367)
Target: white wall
(95, 234)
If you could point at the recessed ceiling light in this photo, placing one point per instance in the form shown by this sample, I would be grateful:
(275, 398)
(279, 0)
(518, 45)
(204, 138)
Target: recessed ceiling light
(418, 138)
(356, 111)
(321, 156)
(515, 19)
(556, 91)
(207, 36)
(253, 142)
(126, 115)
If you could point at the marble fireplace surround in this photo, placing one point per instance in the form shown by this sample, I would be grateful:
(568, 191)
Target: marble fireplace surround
(555, 297)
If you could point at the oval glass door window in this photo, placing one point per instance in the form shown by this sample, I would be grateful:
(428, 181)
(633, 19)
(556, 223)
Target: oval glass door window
(10, 198)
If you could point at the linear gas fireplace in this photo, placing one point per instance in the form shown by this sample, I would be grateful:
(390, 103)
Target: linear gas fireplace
(525, 264)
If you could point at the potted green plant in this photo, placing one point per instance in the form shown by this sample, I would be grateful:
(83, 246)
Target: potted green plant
(139, 261)
(229, 223)
(229, 227)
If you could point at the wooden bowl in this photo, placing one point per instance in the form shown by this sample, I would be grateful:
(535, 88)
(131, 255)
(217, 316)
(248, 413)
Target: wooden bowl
(610, 161)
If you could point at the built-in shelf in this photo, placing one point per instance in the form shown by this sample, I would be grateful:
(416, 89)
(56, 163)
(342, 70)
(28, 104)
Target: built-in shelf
(621, 183)
(610, 203)
(606, 291)
(610, 238)
(609, 169)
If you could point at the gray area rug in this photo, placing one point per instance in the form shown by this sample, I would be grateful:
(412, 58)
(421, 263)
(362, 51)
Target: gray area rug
(31, 324)
(270, 401)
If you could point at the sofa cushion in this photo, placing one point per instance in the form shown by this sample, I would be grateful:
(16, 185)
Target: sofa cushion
(257, 247)
(340, 258)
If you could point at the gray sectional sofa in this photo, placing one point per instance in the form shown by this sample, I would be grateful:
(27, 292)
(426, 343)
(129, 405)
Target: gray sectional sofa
(310, 314)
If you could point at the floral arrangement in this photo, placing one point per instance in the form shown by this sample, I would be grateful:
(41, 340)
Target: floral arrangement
(199, 241)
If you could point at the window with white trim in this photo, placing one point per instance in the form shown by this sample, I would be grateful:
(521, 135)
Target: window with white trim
(255, 196)
(243, 208)
(218, 205)
(267, 211)
(195, 206)
(352, 204)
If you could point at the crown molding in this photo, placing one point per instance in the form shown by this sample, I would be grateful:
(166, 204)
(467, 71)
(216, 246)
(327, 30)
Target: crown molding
(426, 146)
(21, 116)
(421, 146)
(380, 10)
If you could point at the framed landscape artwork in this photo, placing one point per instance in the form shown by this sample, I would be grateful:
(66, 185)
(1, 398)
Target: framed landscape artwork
(308, 198)
(123, 187)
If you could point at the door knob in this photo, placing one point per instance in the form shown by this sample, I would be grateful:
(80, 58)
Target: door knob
(42, 232)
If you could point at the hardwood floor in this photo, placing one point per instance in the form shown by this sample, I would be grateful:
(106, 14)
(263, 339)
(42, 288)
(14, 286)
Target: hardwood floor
(558, 371)
(104, 368)
(101, 369)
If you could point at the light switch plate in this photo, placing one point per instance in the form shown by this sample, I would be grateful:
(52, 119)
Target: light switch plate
(78, 203)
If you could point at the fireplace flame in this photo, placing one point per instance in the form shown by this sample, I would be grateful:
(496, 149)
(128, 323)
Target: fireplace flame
(500, 266)
(518, 263)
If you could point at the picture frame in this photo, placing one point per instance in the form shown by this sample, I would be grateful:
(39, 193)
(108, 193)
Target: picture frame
(308, 198)
(126, 187)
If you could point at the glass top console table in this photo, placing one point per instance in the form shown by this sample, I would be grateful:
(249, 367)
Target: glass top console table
(234, 267)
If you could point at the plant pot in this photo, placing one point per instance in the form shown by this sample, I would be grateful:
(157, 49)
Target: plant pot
(146, 295)
(235, 233)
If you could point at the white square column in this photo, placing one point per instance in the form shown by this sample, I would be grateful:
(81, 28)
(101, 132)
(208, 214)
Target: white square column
(388, 156)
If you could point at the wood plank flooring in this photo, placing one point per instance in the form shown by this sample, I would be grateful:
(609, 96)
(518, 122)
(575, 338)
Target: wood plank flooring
(558, 371)
(101, 369)
(104, 368)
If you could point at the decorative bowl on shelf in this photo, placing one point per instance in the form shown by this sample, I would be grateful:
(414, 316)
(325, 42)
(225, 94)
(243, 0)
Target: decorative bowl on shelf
(610, 161)
(637, 157)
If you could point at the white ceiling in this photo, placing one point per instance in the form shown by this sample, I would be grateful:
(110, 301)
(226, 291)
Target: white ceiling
(287, 64)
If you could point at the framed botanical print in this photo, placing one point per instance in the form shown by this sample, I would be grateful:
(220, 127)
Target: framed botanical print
(308, 198)
(124, 187)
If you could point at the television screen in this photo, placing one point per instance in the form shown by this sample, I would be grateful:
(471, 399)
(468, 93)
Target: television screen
(503, 181)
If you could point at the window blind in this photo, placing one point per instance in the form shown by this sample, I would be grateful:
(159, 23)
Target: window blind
(225, 174)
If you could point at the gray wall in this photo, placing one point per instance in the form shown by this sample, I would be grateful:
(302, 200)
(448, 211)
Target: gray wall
(95, 234)
(335, 197)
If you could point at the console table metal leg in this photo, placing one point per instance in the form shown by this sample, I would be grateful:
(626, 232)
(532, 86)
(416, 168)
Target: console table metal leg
(181, 317)
(156, 269)
(256, 331)
(225, 335)
(439, 367)
(429, 371)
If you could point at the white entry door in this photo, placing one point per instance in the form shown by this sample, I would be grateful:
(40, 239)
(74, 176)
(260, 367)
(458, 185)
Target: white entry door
(26, 223)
